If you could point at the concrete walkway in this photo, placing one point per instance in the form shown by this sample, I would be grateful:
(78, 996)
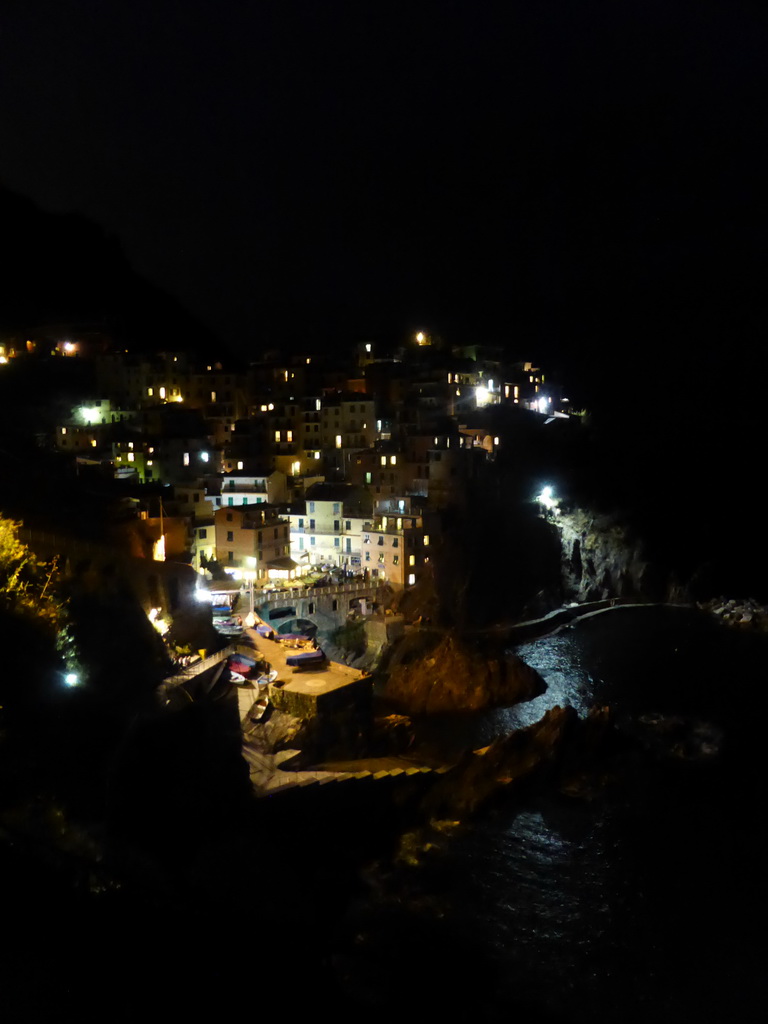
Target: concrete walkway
(267, 774)
(532, 629)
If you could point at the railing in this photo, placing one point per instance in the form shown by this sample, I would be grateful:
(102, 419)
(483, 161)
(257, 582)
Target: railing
(198, 667)
(243, 489)
(267, 596)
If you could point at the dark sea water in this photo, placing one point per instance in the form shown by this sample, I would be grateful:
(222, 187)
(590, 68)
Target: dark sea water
(645, 906)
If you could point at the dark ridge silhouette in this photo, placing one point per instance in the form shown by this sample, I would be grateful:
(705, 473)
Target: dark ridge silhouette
(63, 269)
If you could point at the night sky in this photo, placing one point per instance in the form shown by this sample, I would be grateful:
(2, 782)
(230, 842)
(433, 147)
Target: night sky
(584, 182)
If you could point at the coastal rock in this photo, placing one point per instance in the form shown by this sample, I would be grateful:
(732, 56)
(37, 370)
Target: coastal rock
(509, 760)
(602, 558)
(745, 613)
(455, 677)
(392, 734)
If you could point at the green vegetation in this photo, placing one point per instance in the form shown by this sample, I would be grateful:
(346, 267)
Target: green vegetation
(28, 586)
(350, 637)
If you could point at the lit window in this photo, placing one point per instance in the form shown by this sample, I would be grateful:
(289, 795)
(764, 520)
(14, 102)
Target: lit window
(411, 559)
(411, 579)
(317, 455)
(63, 430)
(93, 442)
(426, 540)
(131, 456)
(399, 524)
(240, 465)
(130, 444)
(185, 458)
(213, 396)
(367, 478)
(396, 560)
(277, 435)
(289, 435)
(162, 392)
(338, 440)
(393, 460)
(150, 392)
(150, 462)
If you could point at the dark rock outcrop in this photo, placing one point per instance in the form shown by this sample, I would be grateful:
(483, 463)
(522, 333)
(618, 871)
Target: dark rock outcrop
(453, 676)
(602, 558)
(743, 614)
(509, 760)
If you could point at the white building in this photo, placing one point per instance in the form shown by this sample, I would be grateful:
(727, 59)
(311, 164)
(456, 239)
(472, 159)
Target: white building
(329, 529)
(241, 488)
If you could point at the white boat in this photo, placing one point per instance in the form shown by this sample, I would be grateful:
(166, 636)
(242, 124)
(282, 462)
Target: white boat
(258, 708)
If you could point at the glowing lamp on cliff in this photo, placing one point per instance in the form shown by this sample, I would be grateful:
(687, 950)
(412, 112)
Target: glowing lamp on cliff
(546, 498)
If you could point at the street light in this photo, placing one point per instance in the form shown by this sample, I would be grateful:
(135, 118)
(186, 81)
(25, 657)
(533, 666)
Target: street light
(545, 498)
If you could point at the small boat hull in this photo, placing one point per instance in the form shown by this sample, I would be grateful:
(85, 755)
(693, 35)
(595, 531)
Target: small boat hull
(307, 659)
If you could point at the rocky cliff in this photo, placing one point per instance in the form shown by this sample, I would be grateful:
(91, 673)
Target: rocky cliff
(454, 676)
(602, 558)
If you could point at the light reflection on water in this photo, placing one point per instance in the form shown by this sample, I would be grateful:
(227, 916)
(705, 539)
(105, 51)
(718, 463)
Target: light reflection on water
(630, 911)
